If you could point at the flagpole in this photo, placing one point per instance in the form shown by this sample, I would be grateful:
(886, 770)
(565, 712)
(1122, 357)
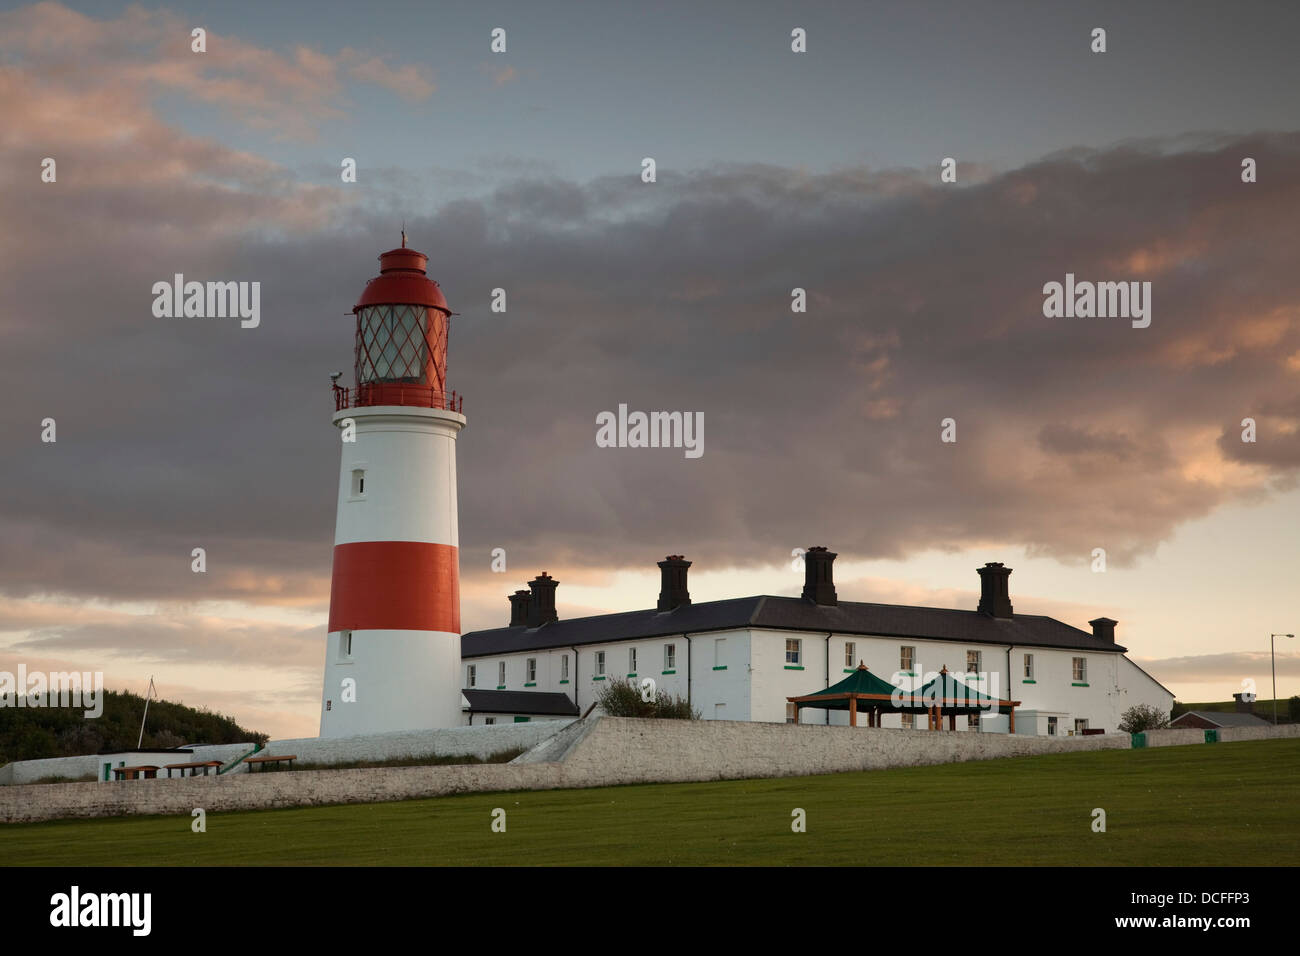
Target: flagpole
(147, 694)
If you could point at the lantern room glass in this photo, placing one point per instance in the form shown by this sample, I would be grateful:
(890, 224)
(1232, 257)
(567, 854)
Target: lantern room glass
(393, 344)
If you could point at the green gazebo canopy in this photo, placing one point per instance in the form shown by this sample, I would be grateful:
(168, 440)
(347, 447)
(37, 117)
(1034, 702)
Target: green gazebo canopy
(860, 682)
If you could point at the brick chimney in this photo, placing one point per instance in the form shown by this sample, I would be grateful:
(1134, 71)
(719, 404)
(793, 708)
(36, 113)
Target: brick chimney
(1245, 703)
(818, 579)
(519, 602)
(541, 606)
(995, 601)
(672, 582)
(1103, 628)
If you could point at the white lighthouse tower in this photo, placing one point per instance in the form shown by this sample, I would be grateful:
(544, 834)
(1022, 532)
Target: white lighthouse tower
(393, 650)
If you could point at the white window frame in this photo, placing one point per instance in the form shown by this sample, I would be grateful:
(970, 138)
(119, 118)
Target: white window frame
(850, 652)
(670, 657)
(908, 721)
(1079, 669)
(600, 664)
(564, 667)
(530, 670)
(907, 658)
(978, 661)
(791, 713)
(1052, 727)
(1029, 667)
(631, 661)
(797, 650)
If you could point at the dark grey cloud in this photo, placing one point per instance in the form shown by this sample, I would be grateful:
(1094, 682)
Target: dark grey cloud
(924, 303)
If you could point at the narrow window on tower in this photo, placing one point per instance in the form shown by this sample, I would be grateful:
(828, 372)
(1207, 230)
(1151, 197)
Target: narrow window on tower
(358, 483)
(471, 675)
(345, 646)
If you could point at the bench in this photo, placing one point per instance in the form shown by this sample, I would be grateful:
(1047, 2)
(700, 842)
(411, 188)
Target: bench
(271, 759)
(205, 765)
(135, 773)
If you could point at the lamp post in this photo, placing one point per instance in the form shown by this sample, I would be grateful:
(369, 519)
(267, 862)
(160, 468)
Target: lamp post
(1273, 655)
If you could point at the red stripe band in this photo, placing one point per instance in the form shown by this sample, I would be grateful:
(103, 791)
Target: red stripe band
(395, 586)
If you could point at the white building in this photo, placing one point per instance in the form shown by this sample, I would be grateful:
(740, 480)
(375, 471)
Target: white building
(740, 659)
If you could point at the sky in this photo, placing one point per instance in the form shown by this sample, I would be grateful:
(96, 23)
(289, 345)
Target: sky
(775, 170)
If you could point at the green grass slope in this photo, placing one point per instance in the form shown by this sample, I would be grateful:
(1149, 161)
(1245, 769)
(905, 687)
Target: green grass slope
(1222, 804)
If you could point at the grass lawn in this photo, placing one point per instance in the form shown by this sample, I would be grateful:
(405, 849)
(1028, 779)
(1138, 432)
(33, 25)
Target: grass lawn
(1211, 804)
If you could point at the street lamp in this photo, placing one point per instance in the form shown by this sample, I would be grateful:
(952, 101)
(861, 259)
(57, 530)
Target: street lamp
(1273, 654)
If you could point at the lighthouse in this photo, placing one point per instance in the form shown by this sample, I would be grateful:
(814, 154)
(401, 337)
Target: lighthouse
(393, 648)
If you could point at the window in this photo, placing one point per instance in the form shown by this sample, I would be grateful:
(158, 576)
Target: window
(564, 667)
(792, 713)
(909, 721)
(1051, 726)
(1080, 725)
(850, 652)
(501, 675)
(358, 482)
(631, 662)
(719, 654)
(489, 720)
(600, 664)
(1080, 669)
(345, 646)
(670, 657)
(530, 670)
(972, 662)
(793, 650)
(1029, 667)
(907, 659)
(973, 722)
(471, 675)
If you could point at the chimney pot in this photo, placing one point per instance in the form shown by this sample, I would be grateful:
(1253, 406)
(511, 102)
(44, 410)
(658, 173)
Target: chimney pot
(995, 600)
(1103, 628)
(541, 605)
(818, 578)
(672, 582)
(519, 608)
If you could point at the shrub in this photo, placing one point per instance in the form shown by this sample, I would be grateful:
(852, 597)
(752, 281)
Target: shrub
(1143, 717)
(622, 698)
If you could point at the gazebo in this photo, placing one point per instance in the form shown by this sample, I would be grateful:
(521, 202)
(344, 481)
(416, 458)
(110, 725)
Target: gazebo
(947, 695)
(862, 686)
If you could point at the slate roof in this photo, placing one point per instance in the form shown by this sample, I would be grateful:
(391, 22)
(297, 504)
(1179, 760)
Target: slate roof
(519, 702)
(788, 614)
(1226, 718)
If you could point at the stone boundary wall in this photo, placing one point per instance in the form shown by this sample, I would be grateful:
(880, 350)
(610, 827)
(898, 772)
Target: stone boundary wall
(597, 752)
(478, 741)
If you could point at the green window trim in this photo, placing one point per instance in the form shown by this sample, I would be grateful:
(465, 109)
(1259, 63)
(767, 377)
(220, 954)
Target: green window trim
(670, 672)
(501, 686)
(719, 667)
(1029, 680)
(564, 680)
(849, 670)
(598, 677)
(633, 674)
(531, 684)
(908, 673)
(1079, 684)
(794, 667)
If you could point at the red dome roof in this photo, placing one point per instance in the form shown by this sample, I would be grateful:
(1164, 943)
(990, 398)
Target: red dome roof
(402, 281)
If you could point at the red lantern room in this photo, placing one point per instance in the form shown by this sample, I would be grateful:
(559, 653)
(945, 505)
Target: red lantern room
(401, 346)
